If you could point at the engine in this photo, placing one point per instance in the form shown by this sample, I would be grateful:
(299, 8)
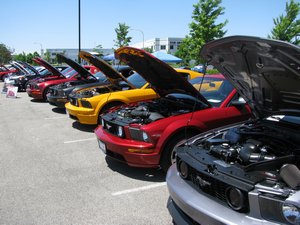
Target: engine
(170, 105)
(258, 147)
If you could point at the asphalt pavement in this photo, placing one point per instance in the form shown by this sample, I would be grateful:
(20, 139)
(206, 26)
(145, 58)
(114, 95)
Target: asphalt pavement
(52, 172)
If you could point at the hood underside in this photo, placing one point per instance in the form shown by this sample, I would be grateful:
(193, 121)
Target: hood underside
(49, 67)
(79, 69)
(162, 77)
(265, 72)
(104, 67)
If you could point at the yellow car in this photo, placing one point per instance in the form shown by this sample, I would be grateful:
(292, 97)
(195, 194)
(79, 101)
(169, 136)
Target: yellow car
(87, 105)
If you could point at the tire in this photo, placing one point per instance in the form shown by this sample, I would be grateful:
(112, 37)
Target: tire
(106, 108)
(169, 155)
(45, 94)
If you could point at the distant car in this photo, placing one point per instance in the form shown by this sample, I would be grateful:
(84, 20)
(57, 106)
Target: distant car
(246, 173)
(38, 89)
(145, 134)
(87, 106)
(5, 72)
(26, 73)
(59, 94)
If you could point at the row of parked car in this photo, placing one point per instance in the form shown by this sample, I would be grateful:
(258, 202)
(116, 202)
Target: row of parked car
(229, 161)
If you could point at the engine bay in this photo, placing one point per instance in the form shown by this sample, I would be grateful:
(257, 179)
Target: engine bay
(257, 151)
(169, 105)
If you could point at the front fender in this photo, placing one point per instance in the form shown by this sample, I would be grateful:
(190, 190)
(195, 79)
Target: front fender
(177, 126)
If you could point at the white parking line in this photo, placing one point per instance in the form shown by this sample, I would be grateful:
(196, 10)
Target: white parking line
(55, 118)
(139, 189)
(80, 140)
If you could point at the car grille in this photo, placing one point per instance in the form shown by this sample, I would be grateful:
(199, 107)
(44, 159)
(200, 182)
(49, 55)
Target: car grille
(215, 189)
(211, 186)
(74, 101)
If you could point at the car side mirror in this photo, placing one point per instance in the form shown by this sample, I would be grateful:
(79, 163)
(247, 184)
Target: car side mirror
(124, 85)
(238, 102)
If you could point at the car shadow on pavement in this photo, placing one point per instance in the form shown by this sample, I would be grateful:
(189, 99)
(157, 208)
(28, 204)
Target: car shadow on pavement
(84, 127)
(59, 110)
(145, 174)
(38, 100)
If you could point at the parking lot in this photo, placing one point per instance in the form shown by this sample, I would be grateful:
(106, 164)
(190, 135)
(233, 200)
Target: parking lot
(52, 172)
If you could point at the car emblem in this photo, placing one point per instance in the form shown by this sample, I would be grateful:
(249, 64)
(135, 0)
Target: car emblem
(203, 183)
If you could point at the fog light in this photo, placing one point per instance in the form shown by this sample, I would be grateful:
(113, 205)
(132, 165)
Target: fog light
(235, 198)
(183, 169)
(120, 131)
(291, 213)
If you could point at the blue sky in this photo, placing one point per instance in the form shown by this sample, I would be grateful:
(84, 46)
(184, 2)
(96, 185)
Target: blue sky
(54, 23)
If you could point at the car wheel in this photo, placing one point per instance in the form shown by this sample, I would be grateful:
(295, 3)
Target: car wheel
(46, 91)
(3, 77)
(106, 108)
(169, 154)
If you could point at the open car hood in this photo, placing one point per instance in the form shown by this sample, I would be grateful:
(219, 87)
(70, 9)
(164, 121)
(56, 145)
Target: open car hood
(162, 77)
(49, 67)
(78, 68)
(265, 72)
(112, 74)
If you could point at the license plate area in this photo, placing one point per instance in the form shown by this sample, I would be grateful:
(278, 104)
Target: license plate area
(102, 146)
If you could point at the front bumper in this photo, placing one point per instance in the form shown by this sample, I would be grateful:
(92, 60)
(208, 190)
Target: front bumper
(36, 94)
(58, 101)
(186, 205)
(83, 115)
(117, 148)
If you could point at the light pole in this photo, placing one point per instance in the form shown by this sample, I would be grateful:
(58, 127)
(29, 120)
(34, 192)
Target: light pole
(142, 35)
(79, 44)
(42, 51)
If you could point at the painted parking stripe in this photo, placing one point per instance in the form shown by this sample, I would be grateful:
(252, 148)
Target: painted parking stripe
(80, 140)
(55, 118)
(151, 186)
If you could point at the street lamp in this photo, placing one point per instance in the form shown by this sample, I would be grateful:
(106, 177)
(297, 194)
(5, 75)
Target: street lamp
(42, 51)
(79, 41)
(142, 35)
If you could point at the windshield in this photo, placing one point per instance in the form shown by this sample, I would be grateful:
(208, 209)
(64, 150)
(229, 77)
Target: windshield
(214, 89)
(100, 76)
(137, 80)
(69, 72)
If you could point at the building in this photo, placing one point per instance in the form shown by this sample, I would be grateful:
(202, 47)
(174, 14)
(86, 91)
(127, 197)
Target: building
(169, 44)
(72, 53)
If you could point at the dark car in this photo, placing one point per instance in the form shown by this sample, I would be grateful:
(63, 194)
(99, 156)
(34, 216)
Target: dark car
(59, 94)
(30, 73)
(39, 88)
(246, 173)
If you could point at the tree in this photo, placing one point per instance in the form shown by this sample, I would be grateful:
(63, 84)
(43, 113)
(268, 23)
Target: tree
(5, 54)
(98, 49)
(122, 38)
(287, 27)
(26, 57)
(203, 28)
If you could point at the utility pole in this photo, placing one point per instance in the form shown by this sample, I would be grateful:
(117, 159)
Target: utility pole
(79, 44)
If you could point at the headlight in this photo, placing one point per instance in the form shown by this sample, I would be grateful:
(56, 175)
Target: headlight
(145, 136)
(139, 135)
(86, 104)
(291, 213)
(102, 123)
(120, 131)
